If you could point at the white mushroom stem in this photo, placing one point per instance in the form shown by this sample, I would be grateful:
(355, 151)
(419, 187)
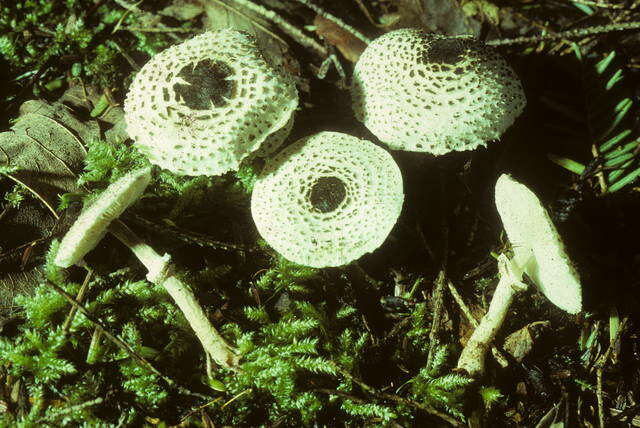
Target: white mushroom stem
(473, 356)
(161, 273)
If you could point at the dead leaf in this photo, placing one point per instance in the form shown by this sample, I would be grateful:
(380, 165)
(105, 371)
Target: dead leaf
(349, 45)
(24, 241)
(85, 98)
(183, 10)
(45, 146)
(520, 343)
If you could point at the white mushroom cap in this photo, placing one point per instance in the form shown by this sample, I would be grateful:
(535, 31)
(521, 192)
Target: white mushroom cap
(537, 245)
(92, 224)
(327, 199)
(430, 93)
(200, 107)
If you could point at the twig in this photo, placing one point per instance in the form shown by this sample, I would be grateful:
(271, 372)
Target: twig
(71, 409)
(339, 22)
(158, 30)
(437, 315)
(371, 390)
(341, 394)
(124, 54)
(72, 312)
(366, 12)
(252, 20)
(185, 235)
(122, 344)
(569, 34)
(497, 355)
(288, 28)
(199, 408)
(425, 408)
(598, 4)
(599, 397)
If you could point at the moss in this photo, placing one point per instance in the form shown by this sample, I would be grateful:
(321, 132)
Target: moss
(44, 40)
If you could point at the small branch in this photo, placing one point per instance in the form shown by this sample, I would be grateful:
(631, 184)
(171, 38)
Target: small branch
(58, 413)
(569, 34)
(341, 394)
(252, 20)
(597, 4)
(599, 397)
(79, 297)
(121, 343)
(339, 22)
(285, 26)
(425, 408)
(158, 30)
(382, 395)
(185, 235)
(366, 12)
(437, 299)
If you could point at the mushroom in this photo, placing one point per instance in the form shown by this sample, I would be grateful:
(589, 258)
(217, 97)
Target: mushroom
(538, 252)
(101, 215)
(431, 93)
(202, 106)
(327, 199)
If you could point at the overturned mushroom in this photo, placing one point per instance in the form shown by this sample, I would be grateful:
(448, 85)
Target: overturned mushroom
(538, 252)
(431, 93)
(201, 107)
(101, 215)
(327, 199)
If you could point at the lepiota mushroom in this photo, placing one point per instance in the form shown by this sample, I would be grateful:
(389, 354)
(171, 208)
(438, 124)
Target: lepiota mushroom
(202, 106)
(538, 252)
(327, 199)
(431, 93)
(101, 215)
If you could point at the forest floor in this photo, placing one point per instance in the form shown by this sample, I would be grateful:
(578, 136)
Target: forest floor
(372, 344)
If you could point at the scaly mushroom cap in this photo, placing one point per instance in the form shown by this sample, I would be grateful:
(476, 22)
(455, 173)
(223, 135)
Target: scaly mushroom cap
(200, 107)
(537, 245)
(327, 199)
(430, 93)
(91, 226)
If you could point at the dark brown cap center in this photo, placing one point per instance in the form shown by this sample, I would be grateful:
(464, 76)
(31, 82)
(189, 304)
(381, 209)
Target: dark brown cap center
(327, 193)
(208, 85)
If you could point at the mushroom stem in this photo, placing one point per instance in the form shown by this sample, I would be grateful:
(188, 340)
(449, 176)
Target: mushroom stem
(473, 356)
(161, 273)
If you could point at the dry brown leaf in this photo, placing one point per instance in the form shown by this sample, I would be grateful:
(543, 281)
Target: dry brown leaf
(45, 145)
(349, 45)
(183, 10)
(520, 343)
